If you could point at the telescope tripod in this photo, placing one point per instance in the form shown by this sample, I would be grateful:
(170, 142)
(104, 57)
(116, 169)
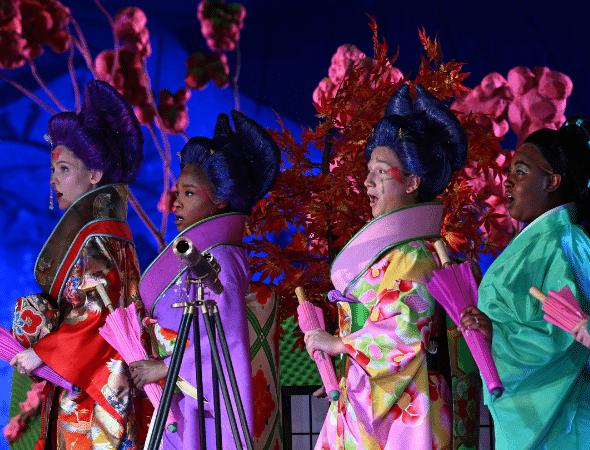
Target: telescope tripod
(212, 321)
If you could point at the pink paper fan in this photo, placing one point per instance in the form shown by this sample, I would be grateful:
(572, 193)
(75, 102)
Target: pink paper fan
(9, 347)
(561, 308)
(122, 331)
(310, 318)
(455, 288)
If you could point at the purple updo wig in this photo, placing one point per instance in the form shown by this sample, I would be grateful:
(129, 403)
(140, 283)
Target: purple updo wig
(105, 134)
(242, 165)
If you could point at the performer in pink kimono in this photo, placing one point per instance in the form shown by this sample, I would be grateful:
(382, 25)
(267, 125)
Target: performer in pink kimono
(390, 400)
(221, 180)
(95, 153)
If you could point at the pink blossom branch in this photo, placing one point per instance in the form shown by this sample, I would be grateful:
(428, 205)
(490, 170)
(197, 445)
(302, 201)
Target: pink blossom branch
(29, 94)
(165, 169)
(72, 71)
(83, 47)
(236, 76)
(115, 39)
(33, 67)
(148, 222)
(158, 119)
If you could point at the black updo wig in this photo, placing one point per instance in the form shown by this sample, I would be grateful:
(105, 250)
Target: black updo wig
(242, 165)
(567, 151)
(425, 135)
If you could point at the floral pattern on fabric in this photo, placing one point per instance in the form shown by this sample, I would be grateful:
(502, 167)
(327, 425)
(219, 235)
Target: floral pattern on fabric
(33, 318)
(102, 414)
(390, 401)
(262, 312)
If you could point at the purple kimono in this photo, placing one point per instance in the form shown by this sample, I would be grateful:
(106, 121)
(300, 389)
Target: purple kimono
(163, 284)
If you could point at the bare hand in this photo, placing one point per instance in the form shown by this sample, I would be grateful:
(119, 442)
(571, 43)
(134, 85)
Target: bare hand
(26, 361)
(320, 393)
(320, 340)
(148, 371)
(473, 319)
(580, 332)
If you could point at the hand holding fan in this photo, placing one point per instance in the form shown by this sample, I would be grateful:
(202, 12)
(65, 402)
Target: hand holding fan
(310, 318)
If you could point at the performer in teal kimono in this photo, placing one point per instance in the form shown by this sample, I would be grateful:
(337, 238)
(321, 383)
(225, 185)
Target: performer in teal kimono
(390, 400)
(220, 182)
(546, 373)
(96, 152)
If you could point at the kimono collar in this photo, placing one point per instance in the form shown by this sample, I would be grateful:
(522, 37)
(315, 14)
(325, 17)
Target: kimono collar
(206, 234)
(561, 215)
(421, 221)
(102, 211)
(554, 218)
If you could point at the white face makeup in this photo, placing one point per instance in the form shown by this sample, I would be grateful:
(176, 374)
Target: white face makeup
(389, 186)
(70, 177)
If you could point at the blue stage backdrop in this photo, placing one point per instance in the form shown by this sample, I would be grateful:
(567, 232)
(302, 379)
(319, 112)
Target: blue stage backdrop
(285, 50)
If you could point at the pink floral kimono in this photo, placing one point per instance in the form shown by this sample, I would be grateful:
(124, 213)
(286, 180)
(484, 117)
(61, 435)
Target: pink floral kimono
(390, 400)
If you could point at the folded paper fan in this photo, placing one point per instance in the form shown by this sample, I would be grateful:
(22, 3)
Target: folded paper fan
(9, 347)
(310, 318)
(455, 288)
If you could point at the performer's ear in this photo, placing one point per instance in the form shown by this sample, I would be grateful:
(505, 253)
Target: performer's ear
(412, 183)
(553, 182)
(95, 176)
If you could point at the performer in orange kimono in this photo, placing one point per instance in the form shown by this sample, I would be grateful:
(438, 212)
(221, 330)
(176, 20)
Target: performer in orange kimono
(95, 154)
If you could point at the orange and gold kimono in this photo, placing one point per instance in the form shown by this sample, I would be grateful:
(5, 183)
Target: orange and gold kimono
(91, 243)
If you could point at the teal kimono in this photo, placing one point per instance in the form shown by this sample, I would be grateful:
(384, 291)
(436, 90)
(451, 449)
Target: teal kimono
(546, 372)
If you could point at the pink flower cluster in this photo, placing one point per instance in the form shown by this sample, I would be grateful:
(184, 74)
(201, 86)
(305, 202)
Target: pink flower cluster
(129, 75)
(19, 423)
(131, 30)
(221, 23)
(27, 25)
(202, 68)
(173, 111)
(343, 63)
(526, 101)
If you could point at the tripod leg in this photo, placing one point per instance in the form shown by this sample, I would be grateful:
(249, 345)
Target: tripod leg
(224, 391)
(199, 374)
(232, 378)
(216, 399)
(171, 378)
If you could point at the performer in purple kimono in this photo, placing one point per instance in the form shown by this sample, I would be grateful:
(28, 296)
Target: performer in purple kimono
(221, 180)
(390, 399)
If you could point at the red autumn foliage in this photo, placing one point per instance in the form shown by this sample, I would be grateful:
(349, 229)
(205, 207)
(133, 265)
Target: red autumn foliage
(323, 204)
(202, 68)
(221, 23)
